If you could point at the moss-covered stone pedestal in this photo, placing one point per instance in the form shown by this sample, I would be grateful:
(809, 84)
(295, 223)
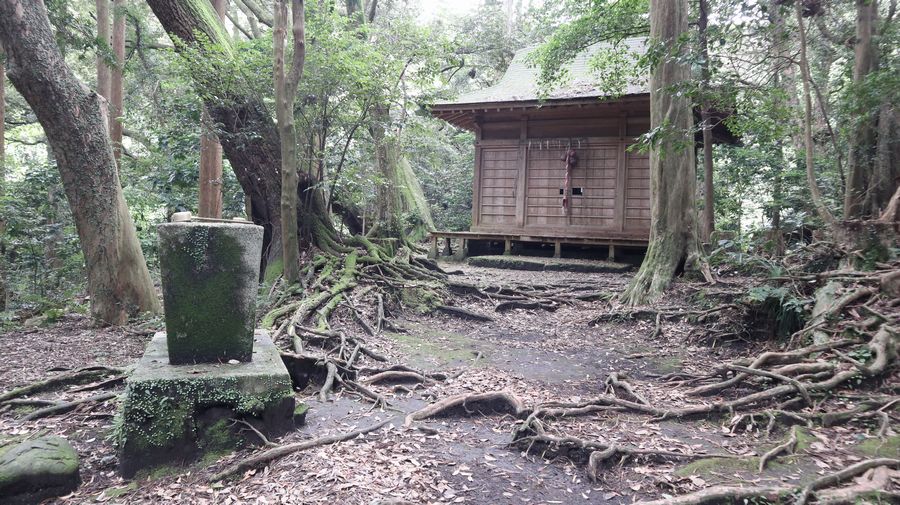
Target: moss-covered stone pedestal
(173, 414)
(210, 278)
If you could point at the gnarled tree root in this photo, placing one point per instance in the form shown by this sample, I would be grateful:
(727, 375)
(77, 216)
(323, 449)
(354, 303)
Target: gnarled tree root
(472, 403)
(726, 494)
(269, 455)
(79, 376)
(63, 407)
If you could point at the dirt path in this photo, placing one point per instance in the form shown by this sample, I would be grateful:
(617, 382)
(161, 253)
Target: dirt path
(540, 356)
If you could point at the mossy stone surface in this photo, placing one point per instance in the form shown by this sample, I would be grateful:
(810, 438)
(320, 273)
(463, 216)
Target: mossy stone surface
(173, 414)
(210, 278)
(33, 470)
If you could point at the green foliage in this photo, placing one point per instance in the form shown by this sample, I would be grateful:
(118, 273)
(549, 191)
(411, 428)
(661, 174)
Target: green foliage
(787, 310)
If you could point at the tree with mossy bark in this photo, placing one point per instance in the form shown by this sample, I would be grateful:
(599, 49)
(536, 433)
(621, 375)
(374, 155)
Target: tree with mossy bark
(673, 228)
(74, 121)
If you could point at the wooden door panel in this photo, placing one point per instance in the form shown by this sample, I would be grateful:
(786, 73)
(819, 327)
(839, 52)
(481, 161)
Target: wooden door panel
(499, 170)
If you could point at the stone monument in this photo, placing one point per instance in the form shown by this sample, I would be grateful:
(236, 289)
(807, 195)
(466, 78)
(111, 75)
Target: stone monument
(210, 367)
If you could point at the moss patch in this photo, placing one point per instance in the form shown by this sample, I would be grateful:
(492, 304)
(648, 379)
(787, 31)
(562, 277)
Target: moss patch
(878, 448)
(534, 263)
(422, 299)
(209, 313)
(708, 466)
(117, 492)
(426, 347)
(668, 364)
(273, 271)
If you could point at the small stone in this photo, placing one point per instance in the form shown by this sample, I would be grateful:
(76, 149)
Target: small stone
(234, 362)
(37, 469)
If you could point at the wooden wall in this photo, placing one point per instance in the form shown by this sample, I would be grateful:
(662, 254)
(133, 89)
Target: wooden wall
(519, 173)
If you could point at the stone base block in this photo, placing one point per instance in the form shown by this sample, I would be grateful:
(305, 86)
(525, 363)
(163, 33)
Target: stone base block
(173, 414)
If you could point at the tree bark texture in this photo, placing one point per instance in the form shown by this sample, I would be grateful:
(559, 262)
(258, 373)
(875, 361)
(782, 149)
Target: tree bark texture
(709, 215)
(105, 37)
(73, 118)
(286, 82)
(117, 81)
(860, 162)
(210, 200)
(673, 228)
(3, 290)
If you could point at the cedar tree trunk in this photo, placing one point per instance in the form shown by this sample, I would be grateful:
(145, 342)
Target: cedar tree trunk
(861, 160)
(116, 81)
(709, 217)
(210, 200)
(673, 230)
(104, 36)
(73, 119)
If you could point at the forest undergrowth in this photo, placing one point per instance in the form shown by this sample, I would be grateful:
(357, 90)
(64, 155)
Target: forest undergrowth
(808, 342)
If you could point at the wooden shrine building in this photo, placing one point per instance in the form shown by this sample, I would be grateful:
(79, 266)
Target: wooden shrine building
(556, 169)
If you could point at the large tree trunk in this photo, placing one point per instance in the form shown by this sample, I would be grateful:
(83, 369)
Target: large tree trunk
(210, 200)
(73, 119)
(3, 290)
(709, 215)
(673, 230)
(117, 81)
(105, 37)
(247, 133)
(286, 82)
(886, 173)
(862, 136)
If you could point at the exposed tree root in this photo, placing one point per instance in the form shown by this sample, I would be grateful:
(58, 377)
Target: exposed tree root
(515, 304)
(269, 455)
(726, 494)
(79, 376)
(771, 357)
(532, 438)
(472, 403)
(463, 313)
(620, 387)
(786, 447)
(398, 377)
(62, 407)
(842, 475)
(872, 485)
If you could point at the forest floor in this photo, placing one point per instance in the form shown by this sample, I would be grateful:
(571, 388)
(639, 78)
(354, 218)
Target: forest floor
(538, 355)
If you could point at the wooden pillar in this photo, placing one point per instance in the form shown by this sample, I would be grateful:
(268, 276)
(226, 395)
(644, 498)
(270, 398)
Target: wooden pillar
(433, 250)
(476, 177)
(621, 176)
(448, 251)
(521, 197)
(507, 246)
(557, 249)
(612, 253)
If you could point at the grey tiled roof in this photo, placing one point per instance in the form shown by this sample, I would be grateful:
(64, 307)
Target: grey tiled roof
(519, 83)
